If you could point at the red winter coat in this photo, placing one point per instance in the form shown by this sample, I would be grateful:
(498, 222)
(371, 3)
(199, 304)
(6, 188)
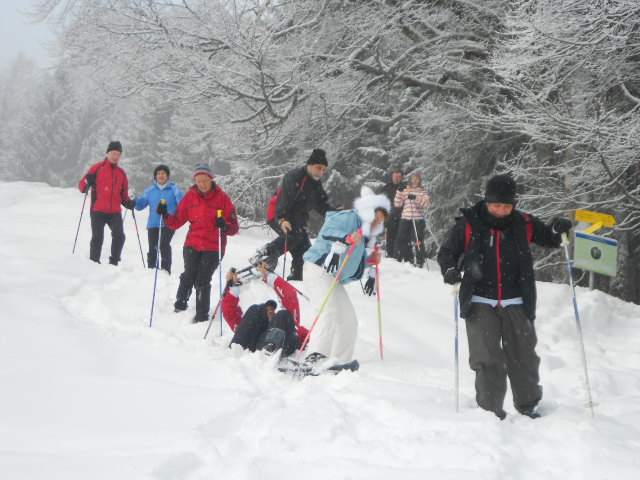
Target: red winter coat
(201, 210)
(112, 187)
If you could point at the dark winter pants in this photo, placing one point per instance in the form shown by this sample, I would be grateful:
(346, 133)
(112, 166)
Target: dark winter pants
(255, 328)
(296, 242)
(391, 232)
(405, 239)
(165, 247)
(198, 270)
(98, 221)
(502, 343)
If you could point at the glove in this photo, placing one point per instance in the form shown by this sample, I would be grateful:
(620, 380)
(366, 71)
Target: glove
(452, 276)
(221, 224)
(370, 284)
(162, 210)
(332, 262)
(411, 196)
(90, 179)
(561, 225)
(131, 204)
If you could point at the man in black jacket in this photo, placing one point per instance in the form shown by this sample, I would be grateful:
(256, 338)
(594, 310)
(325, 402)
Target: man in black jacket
(389, 190)
(490, 244)
(300, 192)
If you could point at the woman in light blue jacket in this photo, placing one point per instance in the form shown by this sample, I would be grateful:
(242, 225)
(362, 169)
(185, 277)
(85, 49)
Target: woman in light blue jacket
(161, 189)
(334, 336)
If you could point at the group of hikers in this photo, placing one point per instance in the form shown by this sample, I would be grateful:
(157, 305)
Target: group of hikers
(486, 252)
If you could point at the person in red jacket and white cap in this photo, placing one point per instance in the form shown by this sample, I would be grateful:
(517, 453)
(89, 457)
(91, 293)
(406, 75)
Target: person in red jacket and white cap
(109, 189)
(200, 208)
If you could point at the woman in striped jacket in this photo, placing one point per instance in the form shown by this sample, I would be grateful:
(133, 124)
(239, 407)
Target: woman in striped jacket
(414, 201)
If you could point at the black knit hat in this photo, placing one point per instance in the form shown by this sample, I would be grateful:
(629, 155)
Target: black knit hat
(164, 168)
(318, 157)
(500, 189)
(114, 145)
(271, 303)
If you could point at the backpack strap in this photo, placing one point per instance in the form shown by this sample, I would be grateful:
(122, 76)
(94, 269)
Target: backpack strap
(528, 227)
(467, 235)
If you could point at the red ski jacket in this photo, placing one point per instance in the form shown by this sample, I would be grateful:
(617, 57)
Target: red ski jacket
(201, 211)
(112, 187)
(288, 297)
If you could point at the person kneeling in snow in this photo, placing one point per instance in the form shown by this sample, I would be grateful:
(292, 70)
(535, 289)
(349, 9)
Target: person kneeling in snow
(261, 327)
(335, 333)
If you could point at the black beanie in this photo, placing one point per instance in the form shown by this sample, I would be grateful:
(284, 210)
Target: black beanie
(318, 157)
(163, 168)
(501, 189)
(114, 145)
(271, 303)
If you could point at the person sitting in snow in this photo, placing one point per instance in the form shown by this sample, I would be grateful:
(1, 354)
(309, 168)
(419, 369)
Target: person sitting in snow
(334, 335)
(261, 327)
(490, 243)
(162, 189)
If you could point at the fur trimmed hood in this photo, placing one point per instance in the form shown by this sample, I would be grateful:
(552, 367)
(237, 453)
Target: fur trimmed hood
(366, 206)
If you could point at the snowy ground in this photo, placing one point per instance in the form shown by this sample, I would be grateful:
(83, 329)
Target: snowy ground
(89, 391)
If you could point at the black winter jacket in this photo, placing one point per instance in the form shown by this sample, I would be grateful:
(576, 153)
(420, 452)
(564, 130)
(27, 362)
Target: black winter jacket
(389, 190)
(498, 261)
(296, 200)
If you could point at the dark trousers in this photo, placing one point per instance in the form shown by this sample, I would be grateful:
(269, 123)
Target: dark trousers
(165, 247)
(404, 242)
(98, 221)
(255, 329)
(391, 234)
(296, 242)
(502, 344)
(198, 271)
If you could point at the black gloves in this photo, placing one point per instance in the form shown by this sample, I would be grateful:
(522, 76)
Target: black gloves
(334, 264)
(452, 276)
(162, 210)
(370, 286)
(130, 204)
(90, 179)
(411, 196)
(221, 224)
(561, 225)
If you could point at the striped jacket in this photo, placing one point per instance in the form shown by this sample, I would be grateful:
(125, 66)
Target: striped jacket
(413, 209)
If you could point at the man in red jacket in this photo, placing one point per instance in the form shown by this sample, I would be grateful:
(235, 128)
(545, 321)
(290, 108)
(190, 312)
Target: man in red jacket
(200, 208)
(109, 189)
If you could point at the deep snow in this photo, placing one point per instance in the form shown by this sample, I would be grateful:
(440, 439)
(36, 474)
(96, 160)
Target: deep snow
(88, 390)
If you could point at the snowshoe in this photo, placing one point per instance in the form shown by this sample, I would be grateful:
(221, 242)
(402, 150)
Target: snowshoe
(304, 369)
(263, 256)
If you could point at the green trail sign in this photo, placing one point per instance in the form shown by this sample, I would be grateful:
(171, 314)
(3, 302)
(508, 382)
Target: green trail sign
(595, 254)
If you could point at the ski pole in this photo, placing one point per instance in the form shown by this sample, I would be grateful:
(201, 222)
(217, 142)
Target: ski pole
(138, 235)
(286, 249)
(219, 267)
(418, 243)
(155, 280)
(224, 293)
(333, 285)
(80, 221)
(565, 244)
(379, 308)
(455, 318)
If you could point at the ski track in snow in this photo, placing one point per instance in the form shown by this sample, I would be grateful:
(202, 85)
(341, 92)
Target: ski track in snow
(90, 391)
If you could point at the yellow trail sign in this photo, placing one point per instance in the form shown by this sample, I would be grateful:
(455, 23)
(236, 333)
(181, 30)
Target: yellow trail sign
(595, 217)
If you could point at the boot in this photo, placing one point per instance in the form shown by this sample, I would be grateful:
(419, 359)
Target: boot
(203, 298)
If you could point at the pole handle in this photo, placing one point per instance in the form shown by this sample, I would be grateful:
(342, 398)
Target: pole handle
(219, 213)
(565, 239)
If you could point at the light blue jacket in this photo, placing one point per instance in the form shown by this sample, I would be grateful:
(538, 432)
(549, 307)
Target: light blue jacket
(338, 225)
(152, 196)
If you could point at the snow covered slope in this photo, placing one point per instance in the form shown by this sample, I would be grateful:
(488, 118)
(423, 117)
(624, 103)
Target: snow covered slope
(89, 391)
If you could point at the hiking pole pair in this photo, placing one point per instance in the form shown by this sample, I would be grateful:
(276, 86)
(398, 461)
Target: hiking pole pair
(456, 289)
(155, 280)
(417, 243)
(80, 221)
(565, 244)
(222, 295)
(333, 285)
(138, 235)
